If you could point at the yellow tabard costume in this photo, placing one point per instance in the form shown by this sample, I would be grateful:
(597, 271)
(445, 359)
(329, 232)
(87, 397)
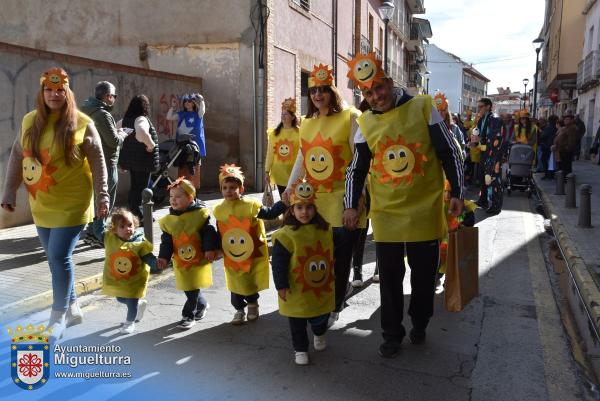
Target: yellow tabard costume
(407, 180)
(244, 243)
(327, 154)
(59, 195)
(125, 274)
(311, 274)
(192, 270)
(281, 154)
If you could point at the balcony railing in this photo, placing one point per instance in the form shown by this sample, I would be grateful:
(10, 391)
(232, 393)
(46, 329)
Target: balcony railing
(365, 45)
(587, 70)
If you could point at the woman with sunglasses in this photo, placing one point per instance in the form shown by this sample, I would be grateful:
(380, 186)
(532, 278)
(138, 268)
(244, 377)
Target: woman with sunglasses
(326, 150)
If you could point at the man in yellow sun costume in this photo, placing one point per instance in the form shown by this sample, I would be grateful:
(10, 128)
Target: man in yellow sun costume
(244, 242)
(303, 270)
(326, 148)
(406, 146)
(189, 235)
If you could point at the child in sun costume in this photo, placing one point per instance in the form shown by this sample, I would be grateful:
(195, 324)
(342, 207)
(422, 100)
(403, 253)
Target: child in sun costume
(282, 147)
(303, 270)
(127, 265)
(190, 236)
(244, 242)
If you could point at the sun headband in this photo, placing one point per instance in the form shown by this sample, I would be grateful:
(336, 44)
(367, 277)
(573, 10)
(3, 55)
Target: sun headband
(289, 105)
(302, 192)
(321, 75)
(230, 170)
(184, 184)
(54, 78)
(524, 113)
(365, 70)
(440, 101)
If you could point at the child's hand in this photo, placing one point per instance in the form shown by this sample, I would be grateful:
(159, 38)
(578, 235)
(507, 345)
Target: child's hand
(161, 263)
(282, 293)
(211, 256)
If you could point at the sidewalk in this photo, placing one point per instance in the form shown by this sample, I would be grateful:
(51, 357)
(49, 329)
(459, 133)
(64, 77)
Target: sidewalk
(25, 280)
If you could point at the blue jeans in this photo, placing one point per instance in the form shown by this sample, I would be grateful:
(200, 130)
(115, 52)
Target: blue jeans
(132, 307)
(59, 243)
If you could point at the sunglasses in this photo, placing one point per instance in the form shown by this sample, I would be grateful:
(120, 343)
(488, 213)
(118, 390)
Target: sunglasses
(316, 89)
(114, 95)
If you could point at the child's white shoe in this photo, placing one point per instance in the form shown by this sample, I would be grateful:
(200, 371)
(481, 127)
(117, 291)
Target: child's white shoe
(142, 303)
(238, 317)
(301, 358)
(252, 312)
(127, 327)
(320, 343)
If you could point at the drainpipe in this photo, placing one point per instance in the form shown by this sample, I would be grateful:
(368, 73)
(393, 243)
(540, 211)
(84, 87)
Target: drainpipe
(334, 40)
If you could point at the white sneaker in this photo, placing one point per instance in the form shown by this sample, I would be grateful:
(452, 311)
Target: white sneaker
(357, 283)
(56, 325)
(252, 312)
(320, 342)
(127, 327)
(301, 358)
(333, 317)
(238, 317)
(375, 278)
(142, 303)
(74, 315)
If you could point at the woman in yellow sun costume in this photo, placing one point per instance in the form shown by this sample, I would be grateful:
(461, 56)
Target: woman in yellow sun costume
(58, 156)
(303, 270)
(189, 235)
(326, 149)
(244, 242)
(282, 147)
(127, 264)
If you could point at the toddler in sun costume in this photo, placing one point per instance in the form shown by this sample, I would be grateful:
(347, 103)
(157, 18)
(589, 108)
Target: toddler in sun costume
(127, 265)
(303, 270)
(190, 236)
(244, 242)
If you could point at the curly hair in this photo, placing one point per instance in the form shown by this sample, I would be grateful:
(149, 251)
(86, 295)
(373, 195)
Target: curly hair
(119, 215)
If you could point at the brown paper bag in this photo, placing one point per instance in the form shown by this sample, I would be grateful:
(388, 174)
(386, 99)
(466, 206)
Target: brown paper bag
(462, 271)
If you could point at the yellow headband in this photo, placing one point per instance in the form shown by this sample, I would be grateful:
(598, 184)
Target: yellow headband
(184, 184)
(302, 192)
(365, 70)
(321, 75)
(230, 170)
(54, 78)
(289, 105)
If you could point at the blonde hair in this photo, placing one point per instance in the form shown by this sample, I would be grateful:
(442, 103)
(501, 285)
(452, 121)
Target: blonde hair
(119, 215)
(64, 128)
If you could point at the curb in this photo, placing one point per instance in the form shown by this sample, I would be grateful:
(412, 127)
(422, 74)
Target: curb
(587, 286)
(43, 300)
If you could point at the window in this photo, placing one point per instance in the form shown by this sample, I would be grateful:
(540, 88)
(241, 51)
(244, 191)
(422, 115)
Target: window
(371, 31)
(305, 4)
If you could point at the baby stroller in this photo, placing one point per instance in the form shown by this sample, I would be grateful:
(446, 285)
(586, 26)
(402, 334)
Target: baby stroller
(177, 153)
(520, 162)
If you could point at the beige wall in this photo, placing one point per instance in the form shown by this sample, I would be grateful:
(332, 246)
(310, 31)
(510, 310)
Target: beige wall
(566, 38)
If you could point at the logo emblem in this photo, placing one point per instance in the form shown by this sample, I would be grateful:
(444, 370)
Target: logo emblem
(30, 356)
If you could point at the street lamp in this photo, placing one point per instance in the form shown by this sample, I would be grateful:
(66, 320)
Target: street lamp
(525, 82)
(427, 74)
(537, 44)
(386, 12)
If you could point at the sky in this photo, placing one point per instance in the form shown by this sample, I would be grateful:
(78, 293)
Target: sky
(495, 35)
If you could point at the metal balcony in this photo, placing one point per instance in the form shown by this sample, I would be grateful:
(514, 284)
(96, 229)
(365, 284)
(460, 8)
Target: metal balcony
(365, 45)
(587, 71)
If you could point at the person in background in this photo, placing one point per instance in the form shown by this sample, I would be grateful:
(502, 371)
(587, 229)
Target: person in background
(283, 143)
(580, 134)
(565, 144)
(58, 156)
(98, 108)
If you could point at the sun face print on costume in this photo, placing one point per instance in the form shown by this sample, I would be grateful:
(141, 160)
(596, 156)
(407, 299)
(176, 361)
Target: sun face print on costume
(365, 70)
(398, 161)
(123, 264)
(188, 250)
(315, 270)
(37, 173)
(323, 162)
(284, 149)
(240, 243)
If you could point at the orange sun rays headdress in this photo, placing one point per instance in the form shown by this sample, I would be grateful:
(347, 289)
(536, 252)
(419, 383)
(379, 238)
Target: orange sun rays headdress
(188, 250)
(54, 78)
(289, 105)
(440, 101)
(365, 70)
(240, 243)
(302, 192)
(231, 170)
(123, 259)
(399, 148)
(184, 184)
(315, 257)
(37, 174)
(334, 152)
(321, 75)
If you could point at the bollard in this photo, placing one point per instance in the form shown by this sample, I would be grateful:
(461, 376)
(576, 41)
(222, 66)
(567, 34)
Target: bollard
(570, 200)
(560, 183)
(585, 206)
(147, 206)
